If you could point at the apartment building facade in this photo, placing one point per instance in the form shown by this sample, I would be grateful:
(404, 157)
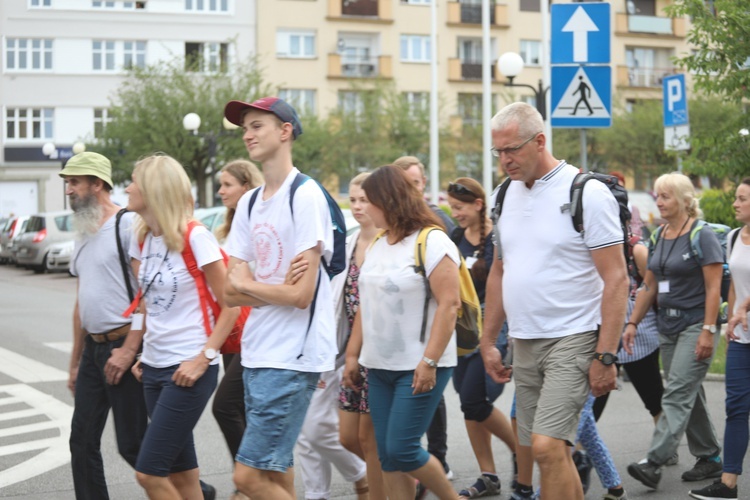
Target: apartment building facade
(62, 60)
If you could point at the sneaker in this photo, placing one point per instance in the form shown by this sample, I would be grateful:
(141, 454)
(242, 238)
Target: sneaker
(209, 492)
(421, 491)
(610, 496)
(484, 486)
(518, 495)
(647, 473)
(583, 465)
(704, 468)
(715, 491)
(448, 471)
(674, 460)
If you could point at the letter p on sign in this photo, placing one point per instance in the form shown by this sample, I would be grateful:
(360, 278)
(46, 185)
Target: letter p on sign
(674, 93)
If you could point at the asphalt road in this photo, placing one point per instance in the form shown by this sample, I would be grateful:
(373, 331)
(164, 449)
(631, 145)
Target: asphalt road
(35, 409)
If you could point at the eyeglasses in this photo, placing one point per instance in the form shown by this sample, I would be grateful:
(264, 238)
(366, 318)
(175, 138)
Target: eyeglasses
(509, 151)
(460, 189)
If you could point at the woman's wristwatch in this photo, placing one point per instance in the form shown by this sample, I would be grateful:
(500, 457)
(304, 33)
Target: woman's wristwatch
(710, 328)
(430, 362)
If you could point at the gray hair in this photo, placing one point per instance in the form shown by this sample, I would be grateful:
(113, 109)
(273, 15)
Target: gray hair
(527, 118)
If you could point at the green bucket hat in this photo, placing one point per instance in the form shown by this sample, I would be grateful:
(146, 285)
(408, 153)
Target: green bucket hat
(88, 163)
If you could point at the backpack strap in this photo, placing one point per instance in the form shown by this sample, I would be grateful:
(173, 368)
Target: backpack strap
(253, 198)
(576, 199)
(498, 209)
(420, 256)
(732, 239)
(200, 279)
(654, 239)
(121, 254)
(458, 233)
(299, 179)
(695, 239)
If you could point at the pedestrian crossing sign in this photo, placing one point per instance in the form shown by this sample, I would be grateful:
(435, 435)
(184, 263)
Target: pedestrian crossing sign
(581, 96)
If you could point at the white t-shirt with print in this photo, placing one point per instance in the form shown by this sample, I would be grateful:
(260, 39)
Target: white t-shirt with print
(174, 319)
(277, 336)
(551, 287)
(392, 298)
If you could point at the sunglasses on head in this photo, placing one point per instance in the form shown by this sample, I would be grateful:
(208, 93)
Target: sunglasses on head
(460, 189)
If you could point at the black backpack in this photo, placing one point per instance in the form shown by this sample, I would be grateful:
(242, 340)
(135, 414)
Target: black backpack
(576, 209)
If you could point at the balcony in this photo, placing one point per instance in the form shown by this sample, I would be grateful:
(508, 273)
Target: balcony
(626, 24)
(642, 77)
(359, 67)
(465, 13)
(368, 11)
(467, 71)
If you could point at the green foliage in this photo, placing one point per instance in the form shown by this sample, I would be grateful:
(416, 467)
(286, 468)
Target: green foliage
(717, 207)
(147, 112)
(720, 34)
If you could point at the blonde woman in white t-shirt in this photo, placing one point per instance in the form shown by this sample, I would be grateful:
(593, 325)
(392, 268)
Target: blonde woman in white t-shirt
(179, 364)
(406, 376)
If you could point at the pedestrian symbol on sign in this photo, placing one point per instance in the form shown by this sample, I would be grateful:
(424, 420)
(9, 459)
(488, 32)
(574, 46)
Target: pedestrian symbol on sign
(585, 91)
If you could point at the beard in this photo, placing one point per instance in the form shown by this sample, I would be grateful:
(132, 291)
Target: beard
(86, 215)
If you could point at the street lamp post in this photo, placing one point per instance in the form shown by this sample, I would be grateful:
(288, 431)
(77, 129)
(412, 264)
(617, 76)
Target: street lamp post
(192, 122)
(510, 65)
(50, 150)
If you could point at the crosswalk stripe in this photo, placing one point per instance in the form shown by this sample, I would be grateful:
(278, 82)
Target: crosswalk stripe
(39, 444)
(11, 415)
(25, 429)
(27, 370)
(10, 400)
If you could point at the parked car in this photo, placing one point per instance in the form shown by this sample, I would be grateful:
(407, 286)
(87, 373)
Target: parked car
(43, 231)
(58, 258)
(212, 217)
(14, 227)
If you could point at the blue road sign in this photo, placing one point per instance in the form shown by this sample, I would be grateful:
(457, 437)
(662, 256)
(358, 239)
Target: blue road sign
(675, 101)
(581, 96)
(581, 33)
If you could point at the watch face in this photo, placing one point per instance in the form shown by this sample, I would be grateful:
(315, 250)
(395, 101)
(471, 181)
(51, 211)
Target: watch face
(608, 358)
(210, 354)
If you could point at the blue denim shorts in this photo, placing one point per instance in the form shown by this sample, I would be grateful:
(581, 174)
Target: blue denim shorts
(276, 403)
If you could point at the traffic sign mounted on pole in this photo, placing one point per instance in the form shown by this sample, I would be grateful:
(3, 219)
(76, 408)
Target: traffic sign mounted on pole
(581, 96)
(676, 120)
(580, 33)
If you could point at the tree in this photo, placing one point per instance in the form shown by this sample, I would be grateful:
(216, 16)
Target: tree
(147, 112)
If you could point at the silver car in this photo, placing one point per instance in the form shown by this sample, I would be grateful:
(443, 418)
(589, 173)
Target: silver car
(43, 231)
(13, 228)
(58, 258)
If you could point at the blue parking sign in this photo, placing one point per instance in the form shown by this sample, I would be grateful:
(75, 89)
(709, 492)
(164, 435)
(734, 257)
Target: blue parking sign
(675, 101)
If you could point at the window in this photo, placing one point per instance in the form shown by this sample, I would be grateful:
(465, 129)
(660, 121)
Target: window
(101, 119)
(295, 44)
(351, 102)
(416, 2)
(29, 123)
(531, 52)
(40, 3)
(134, 54)
(530, 6)
(418, 102)
(206, 57)
(104, 55)
(28, 54)
(118, 5)
(302, 99)
(415, 48)
(470, 108)
(207, 5)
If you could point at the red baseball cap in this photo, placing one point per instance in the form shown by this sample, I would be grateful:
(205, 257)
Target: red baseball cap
(234, 110)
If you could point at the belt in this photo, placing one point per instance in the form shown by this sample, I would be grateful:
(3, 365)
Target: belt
(110, 336)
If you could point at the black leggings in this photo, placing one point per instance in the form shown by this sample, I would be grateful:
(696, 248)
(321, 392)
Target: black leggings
(646, 378)
(229, 403)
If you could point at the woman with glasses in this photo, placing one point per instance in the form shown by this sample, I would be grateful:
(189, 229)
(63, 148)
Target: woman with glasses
(476, 390)
(407, 371)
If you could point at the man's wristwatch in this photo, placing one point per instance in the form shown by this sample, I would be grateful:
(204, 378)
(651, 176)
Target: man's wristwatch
(710, 328)
(605, 358)
(210, 354)
(430, 362)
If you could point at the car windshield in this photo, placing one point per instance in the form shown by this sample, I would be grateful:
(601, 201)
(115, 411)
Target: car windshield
(35, 224)
(64, 222)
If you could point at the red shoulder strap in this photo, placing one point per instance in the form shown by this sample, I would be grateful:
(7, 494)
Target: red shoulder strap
(200, 279)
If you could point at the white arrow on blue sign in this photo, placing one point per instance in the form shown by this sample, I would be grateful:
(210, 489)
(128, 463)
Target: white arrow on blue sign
(580, 33)
(675, 101)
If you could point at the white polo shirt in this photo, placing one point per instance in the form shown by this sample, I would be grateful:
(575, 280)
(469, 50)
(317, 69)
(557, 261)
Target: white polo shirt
(551, 287)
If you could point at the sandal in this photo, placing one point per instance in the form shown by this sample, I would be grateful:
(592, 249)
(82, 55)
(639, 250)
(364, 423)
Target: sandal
(482, 487)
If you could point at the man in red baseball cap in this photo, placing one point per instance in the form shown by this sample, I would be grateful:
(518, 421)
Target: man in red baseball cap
(289, 338)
